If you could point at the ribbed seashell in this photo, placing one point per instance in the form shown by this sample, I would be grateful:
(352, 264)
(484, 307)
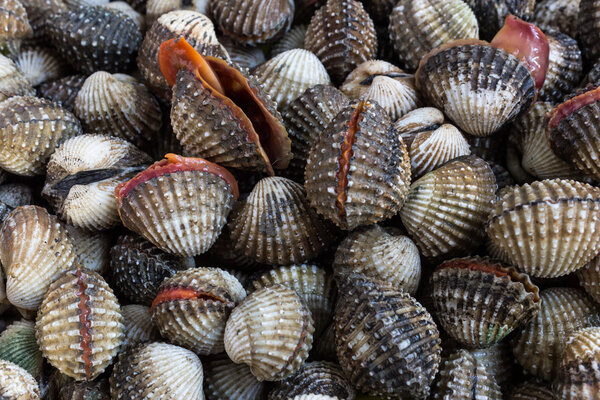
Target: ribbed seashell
(157, 8)
(548, 228)
(539, 344)
(271, 332)
(92, 248)
(560, 15)
(464, 376)
(119, 105)
(38, 13)
(14, 26)
(588, 28)
(533, 389)
(589, 278)
(387, 343)
(317, 378)
(491, 14)
(16, 383)
(138, 268)
(96, 390)
(305, 118)
(192, 307)
(196, 197)
(293, 39)
(446, 209)
(498, 361)
(157, 370)
(223, 252)
(137, 324)
(63, 91)
(12, 81)
(383, 254)
(358, 81)
(95, 39)
(421, 119)
(479, 302)
(128, 10)
(79, 325)
(579, 373)
(39, 64)
(490, 148)
(244, 56)
(30, 130)
(358, 170)
(277, 226)
(313, 284)
(564, 68)
(452, 79)
(18, 345)
(342, 35)
(417, 26)
(13, 195)
(34, 250)
(225, 380)
(287, 75)
(253, 21)
(198, 31)
(76, 4)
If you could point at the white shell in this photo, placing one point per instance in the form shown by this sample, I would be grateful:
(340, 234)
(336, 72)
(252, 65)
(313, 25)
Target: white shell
(39, 65)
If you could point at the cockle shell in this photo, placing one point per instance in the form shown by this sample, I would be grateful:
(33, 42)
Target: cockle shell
(128, 10)
(39, 12)
(12, 81)
(424, 118)
(96, 390)
(560, 15)
(498, 361)
(491, 14)
(39, 64)
(137, 324)
(293, 39)
(244, 56)
(92, 248)
(564, 67)
(589, 278)
(14, 26)
(579, 373)
(18, 345)
(225, 380)
(588, 27)
(13, 195)
(358, 81)
(533, 389)
(63, 91)
(16, 383)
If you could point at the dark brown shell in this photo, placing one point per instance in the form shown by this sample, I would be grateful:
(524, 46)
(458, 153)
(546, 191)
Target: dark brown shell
(63, 91)
(564, 69)
(560, 15)
(533, 389)
(96, 390)
(588, 29)
(491, 13)
(38, 13)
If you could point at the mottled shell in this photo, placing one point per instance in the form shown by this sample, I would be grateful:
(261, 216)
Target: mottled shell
(589, 278)
(92, 248)
(34, 250)
(558, 15)
(16, 383)
(532, 389)
(491, 14)
(82, 175)
(195, 319)
(539, 344)
(244, 56)
(14, 26)
(30, 130)
(253, 21)
(79, 325)
(418, 26)
(95, 39)
(39, 64)
(565, 68)
(63, 91)
(118, 105)
(479, 302)
(225, 380)
(38, 13)
(293, 39)
(387, 343)
(271, 331)
(579, 373)
(13, 195)
(463, 376)
(588, 28)
(548, 228)
(358, 171)
(96, 390)
(276, 225)
(137, 324)
(382, 254)
(446, 209)
(157, 370)
(460, 80)
(12, 81)
(288, 75)
(18, 345)
(342, 35)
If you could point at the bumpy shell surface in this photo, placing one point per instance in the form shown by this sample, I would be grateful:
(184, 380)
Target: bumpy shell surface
(589, 278)
(96, 390)
(491, 14)
(95, 39)
(382, 254)
(225, 380)
(539, 344)
(446, 209)
(16, 383)
(560, 15)
(39, 64)
(30, 130)
(293, 39)
(564, 69)
(192, 307)
(271, 331)
(79, 325)
(137, 324)
(126, 9)
(92, 248)
(18, 345)
(34, 250)
(157, 370)
(12, 81)
(14, 26)
(342, 35)
(533, 389)
(63, 91)
(588, 27)
(548, 228)
(358, 171)
(418, 26)
(387, 343)
(579, 373)
(460, 80)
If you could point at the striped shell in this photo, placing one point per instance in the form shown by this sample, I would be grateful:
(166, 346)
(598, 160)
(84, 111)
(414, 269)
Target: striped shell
(63, 91)
(560, 15)
(18, 345)
(293, 39)
(579, 372)
(491, 14)
(589, 278)
(225, 380)
(39, 64)
(14, 26)
(12, 81)
(565, 68)
(588, 28)
(16, 383)
(137, 325)
(92, 248)
(499, 361)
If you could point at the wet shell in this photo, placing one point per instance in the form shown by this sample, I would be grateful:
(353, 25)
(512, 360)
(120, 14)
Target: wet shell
(358, 171)
(491, 14)
(96, 390)
(479, 302)
(532, 390)
(14, 26)
(137, 324)
(18, 345)
(417, 26)
(276, 225)
(225, 380)
(30, 130)
(579, 373)
(13, 195)
(589, 278)
(126, 9)
(271, 331)
(293, 39)
(342, 35)
(12, 80)
(253, 21)
(539, 344)
(63, 91)
(95, 39)
(39, 64)
(38, 13)
(244, 56)
(564, 69)
(387, 343)
(548, 228)
(463, 376)
(92, 248)
(313, 284)
(305, 118)
(118, 105)
(382, 254)
(498, 361)
(317, 378)
(34, 250)
(157, 370)
(288, 75)
(588, 28)
(79, 325)
(192, 307)
(16, 383)
(460, 80)
(446, 209)
(558, 15)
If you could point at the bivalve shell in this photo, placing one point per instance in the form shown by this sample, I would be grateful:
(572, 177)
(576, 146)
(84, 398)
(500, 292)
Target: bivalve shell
(499, 361)
(14, 26)
(560, 15)
(565, 68)
(12, 81)
(39, 64)
(579, 371)
(491, 14)
(92, 248)
(16, 383)
(293, 39)
(137, 325)
(13, 195)
(588, 28)
(39, 12)
(589, 278)
(421, 119)
(18, 345)
(244, 56)
(128, 10)
(63, 91)
(225, 380)
(533, 389)
(96, 390)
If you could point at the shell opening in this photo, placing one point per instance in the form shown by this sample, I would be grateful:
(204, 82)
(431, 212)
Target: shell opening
(85, 323)
(182, 293)
(63, 187)
(565, 109)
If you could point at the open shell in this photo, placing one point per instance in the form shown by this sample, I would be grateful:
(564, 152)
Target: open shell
(16, 383)
(579, 373)
(225, 380)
